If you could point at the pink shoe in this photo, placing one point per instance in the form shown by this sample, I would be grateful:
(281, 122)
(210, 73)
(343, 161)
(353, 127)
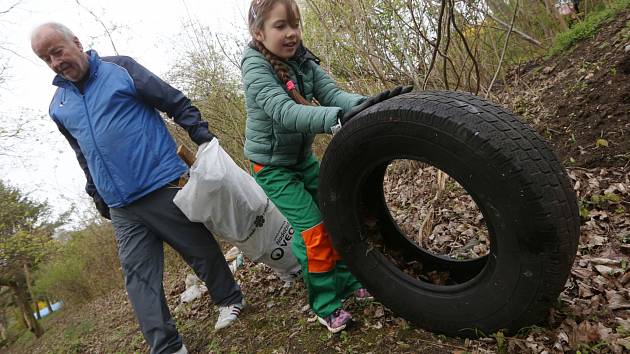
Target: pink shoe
(336, 321)
(363, 295)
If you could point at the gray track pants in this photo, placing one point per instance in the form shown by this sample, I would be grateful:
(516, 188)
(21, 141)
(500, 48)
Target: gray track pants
(140, 229)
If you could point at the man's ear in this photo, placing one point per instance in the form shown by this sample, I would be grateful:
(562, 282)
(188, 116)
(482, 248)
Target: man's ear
(77, 42)
(259, 35)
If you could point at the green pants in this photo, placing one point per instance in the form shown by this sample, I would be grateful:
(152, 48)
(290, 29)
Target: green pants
(294, 192)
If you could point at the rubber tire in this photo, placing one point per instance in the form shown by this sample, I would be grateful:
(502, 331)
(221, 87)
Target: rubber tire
(516, 181)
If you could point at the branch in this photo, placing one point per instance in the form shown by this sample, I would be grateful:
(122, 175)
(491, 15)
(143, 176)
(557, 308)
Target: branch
(405, 55)
(200, 47)
(7, 49)
(109, 35)
(446, 47)
(511, 28)
(370, 49)
(226, 55)
(434, 45)
(507, 39)
(470, 54)
(10, 8)
(437, 45)
(410, 7)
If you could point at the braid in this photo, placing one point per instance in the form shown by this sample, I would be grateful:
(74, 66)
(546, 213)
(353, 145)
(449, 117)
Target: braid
(282, 73)
(278, 67)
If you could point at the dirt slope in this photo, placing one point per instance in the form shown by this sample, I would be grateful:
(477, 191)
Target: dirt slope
(580, 100)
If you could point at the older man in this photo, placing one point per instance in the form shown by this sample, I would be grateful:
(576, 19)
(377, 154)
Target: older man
(107, 109)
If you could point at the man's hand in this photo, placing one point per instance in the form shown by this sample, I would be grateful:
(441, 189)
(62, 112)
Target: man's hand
(102, 208)
(385, 95)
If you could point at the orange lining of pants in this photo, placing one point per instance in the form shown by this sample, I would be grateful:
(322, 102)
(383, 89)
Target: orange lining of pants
(256, 167)
(320, 254)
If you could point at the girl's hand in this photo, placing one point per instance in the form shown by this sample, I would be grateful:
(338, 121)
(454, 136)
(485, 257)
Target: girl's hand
(385, 95)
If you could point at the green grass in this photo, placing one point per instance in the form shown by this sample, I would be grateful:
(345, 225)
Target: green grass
(586, 28)
(26, 337)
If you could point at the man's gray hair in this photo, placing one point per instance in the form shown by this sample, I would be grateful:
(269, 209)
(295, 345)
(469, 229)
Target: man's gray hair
(58, 27)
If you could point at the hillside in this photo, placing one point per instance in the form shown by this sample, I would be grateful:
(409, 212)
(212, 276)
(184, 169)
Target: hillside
(580, 101)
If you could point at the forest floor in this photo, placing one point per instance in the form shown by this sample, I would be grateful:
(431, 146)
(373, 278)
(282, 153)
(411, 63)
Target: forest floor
(580, 102)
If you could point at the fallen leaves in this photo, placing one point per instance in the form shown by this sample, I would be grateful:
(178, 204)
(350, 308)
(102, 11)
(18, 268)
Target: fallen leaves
(595, 304)
(435, 211)
(596, 299)
(593, 311)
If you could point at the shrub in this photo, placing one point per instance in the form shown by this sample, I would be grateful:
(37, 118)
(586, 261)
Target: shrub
(587, 28)
(87, 266)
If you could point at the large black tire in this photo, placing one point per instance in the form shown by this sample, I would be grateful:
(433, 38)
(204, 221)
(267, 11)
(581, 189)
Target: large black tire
(522, 190)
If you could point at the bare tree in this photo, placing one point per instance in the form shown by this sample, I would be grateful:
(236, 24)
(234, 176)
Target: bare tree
(108, 29)
(207, 70)
(451, 44)
(507, 40)
(10, 132)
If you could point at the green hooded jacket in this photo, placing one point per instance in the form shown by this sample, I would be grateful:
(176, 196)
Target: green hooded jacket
(280, 131)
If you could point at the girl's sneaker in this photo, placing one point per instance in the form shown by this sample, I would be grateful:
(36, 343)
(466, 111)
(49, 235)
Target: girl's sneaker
(363, 295)
(336, 321)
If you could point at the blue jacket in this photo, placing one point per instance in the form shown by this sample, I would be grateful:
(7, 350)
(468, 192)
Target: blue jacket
(116, 131)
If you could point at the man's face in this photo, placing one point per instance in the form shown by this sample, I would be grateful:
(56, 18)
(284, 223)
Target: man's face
(63, 55)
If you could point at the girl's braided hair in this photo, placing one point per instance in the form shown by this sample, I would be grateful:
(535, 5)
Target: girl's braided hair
(258, 10)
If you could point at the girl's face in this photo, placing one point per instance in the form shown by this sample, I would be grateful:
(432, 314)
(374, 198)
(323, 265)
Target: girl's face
(279, 35)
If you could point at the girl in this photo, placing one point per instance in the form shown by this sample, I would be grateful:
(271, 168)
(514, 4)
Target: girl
(289, 99)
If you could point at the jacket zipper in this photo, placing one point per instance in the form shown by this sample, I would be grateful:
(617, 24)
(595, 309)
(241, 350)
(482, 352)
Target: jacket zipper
(300, 81)
(89, 118)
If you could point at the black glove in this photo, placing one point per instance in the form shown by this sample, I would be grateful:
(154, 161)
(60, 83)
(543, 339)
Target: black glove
(102, 208)
(385, 95)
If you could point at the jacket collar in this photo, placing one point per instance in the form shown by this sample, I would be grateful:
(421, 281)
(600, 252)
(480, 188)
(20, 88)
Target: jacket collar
(302, 54)
(94, 61)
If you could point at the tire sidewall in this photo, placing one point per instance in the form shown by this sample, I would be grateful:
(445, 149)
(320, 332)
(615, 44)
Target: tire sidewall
(513, 271)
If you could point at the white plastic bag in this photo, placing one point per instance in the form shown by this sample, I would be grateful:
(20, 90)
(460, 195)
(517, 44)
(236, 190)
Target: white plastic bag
(192, 293)
(233, 207)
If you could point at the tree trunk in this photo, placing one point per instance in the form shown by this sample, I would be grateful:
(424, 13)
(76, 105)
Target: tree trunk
(27, 275)
(21, 298)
